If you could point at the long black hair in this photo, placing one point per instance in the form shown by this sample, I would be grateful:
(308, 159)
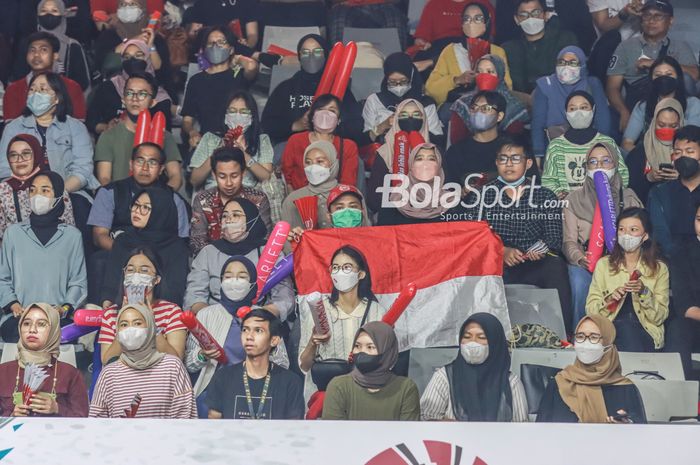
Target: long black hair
(252, 134)
(654, 97)
(64, 107)
(320, 102)
(364, 287)
(152, 256)
(487, 16)
(650, 252)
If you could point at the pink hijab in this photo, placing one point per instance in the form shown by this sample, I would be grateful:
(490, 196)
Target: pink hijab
(119, 80)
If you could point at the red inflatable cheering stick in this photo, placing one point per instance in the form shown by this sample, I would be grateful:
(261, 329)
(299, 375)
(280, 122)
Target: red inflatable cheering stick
(272, 250)
(400, 304)
(334, 58)
(342, 79)
(612, 306)
(154, 20)
(205, 339)
(150, 130)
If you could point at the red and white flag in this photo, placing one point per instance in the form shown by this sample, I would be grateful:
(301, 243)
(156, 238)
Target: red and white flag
(457, 268)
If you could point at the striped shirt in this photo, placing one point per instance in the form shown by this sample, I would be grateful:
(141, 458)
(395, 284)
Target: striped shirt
(165, 390)
(436, 402)
(167, 319)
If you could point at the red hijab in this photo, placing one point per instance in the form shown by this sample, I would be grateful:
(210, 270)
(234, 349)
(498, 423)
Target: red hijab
(41, 163)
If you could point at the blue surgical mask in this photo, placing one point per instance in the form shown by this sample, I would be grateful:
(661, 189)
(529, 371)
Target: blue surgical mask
(482, 121)
(514, 183)
(39, 103)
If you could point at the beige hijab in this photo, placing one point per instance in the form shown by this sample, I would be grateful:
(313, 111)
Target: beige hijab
(425, 212)
(386, 151)
(147, 355)
(656, 151)
(50, 351)
(580, 384)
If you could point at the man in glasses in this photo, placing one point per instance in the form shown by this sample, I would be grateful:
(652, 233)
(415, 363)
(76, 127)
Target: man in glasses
(114, 148)
(633, 57)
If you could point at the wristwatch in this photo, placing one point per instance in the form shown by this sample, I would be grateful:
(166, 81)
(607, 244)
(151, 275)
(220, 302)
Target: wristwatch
(250, 162)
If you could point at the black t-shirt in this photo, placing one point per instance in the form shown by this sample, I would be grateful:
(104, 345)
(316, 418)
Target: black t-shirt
(284, 399)
(206, 95)
(469, 156)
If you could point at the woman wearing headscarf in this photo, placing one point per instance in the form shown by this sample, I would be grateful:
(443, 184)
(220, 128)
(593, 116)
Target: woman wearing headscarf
(26, 158)
(454, 71)
(28, 247)
(371, 391)
(321, 168)
(478, 385)
(238, 280)
(564, 166)
(549, 114)
(410, 118)
(286, 111)
(650, 161)
(593, 389)
(578, 218)
(157, 383)
(490, 76)
(62, 393)
(401, 81)
(154, 223)
(106, 105)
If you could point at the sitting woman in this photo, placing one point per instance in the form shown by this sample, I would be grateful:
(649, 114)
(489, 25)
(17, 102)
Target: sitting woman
(578, 219)
(490, 76)
(592, 390)
(424, 166)
(158, 381)
(324, 117)
(454, 71)
(667, 81)
(238, 279)
(478, 385)
(550, 116)
(143, 284)
(371, 391)
(650, 161)
(410, 116)
(26, 158)
(321, 169)
(106, 104)
(637, 306)
(401, 81)
(154, 221)
(63, 393)
(243, 233)
(350, 305)
(27, 249)
(565, 163)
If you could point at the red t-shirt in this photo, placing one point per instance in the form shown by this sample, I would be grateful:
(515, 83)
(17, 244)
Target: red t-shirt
(110, 6)
(443, 18)
(167, 318)
(15, 99)
(293, 160)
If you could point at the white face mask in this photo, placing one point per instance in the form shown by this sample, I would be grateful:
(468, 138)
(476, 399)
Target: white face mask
(132, 338)
(474, 353)
(317, 174)
(609, 173)
(399, 91)
(41, 205)
(233, 120)
(235, 288)
(629, 243)
(234, 232)
(345, 281)
(136, 285)
(129, 14)
(532, 26)
(580, 119)
(569, 74)
(589, 353)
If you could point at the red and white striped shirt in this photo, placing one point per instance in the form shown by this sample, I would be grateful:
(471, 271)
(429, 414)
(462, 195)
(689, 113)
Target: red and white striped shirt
(167, 319)
(165, 390)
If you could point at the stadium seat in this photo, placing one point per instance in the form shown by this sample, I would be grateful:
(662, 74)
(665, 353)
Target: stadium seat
(423, 363)
(386, 40)
(529, 304)
(364, 81)
(535, 379)
(67, 354)
(285, 37)
(415, 10)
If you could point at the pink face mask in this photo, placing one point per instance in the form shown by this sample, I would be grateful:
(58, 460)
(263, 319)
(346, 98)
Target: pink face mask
(325, 121)
(424, 170)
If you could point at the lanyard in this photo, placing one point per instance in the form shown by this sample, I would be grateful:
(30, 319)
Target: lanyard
(263, 396)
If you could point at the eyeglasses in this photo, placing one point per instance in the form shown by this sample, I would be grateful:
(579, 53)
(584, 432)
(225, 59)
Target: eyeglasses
(143, 270)
(143, 209)
(346, 268)
(232, 215)
(478, 19)
(537, 13)
(305, 52)
(136, 94)
(24, 155)
(504, 159)
(594, 163)
(415, 114)
(563, 62)
(41, 324)
(242, 111)
(595, 338)
(150, 163)
(648, 18)
(403, 82)
(485, 108)
(223, 43)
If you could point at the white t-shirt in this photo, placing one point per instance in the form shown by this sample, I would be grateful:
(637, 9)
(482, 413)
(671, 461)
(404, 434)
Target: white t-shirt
(629, 28)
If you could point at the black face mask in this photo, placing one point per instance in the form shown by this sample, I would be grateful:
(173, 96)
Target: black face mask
(687, 167)
(49, 22)
(134, 66)
(365, 362)
(665, 85)
(410, 124)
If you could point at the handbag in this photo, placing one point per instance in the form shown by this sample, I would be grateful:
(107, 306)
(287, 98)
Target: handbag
(534, 335)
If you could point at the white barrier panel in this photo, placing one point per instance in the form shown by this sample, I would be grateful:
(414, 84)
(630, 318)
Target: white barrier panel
(211, 442)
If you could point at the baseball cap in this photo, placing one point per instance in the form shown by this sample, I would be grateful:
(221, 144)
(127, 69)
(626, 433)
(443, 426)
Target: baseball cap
(661, 5)
(342, 189)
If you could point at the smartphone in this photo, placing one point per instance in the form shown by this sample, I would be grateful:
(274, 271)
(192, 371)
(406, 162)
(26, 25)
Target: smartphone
(666, 166)
(622, 418)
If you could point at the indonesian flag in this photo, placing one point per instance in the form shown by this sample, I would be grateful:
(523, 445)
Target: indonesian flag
(457, 268)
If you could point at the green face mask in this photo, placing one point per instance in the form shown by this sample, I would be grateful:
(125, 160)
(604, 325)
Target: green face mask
(347, 218)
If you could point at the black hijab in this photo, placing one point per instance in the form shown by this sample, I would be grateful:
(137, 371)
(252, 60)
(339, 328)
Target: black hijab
(255, 227)
(581, 136)
(400, 62)
(161, 229)
(306, 83)
(45, 226)
(233, 306)
(482, 392)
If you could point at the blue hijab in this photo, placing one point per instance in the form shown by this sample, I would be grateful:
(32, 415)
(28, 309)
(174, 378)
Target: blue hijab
(231, 306)
(557, 93)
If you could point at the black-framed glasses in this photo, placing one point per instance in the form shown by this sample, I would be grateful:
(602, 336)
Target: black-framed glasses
(24, 155)
(150, 163)
(563, 62)
(485, 108)
(478, 19)
(595, 338)
(222, 43)
(515, 159)
(346, 268)
(391, 83)
(536, 13)
(143, 209)
(136, 94)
